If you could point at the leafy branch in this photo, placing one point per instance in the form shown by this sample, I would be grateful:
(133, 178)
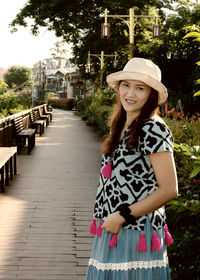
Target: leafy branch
(193, 153)
(194, 33)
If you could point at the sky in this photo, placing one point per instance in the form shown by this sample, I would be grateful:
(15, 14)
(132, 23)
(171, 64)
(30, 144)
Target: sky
(22, 48)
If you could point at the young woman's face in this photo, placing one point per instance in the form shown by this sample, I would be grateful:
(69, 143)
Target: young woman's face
(133, 95)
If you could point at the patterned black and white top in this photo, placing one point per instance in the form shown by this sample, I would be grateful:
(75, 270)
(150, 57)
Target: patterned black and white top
(132, 176)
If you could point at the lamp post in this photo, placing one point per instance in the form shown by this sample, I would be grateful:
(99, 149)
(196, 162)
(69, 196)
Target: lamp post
(101, 58)
(105, 28)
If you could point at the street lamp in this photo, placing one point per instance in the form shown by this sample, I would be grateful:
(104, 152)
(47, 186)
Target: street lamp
(101, 58)
(105, 28)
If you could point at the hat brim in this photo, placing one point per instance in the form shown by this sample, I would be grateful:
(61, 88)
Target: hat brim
(113, 82)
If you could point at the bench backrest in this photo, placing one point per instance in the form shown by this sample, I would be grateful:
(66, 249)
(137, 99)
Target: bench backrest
(40, 112)
(45, 108)
(32, 116)
(18, 122)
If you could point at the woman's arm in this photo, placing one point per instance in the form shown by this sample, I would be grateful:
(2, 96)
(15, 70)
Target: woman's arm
(165, 172)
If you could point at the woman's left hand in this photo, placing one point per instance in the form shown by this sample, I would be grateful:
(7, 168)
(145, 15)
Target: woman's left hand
(113, 223)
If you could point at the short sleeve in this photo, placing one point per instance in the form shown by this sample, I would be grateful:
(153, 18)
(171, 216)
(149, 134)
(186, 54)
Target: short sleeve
(155, 137)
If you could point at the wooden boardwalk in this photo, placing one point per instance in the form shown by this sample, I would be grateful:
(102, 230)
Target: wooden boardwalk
(47, 209)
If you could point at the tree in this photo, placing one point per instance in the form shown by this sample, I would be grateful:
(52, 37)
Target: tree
(58, 49)
(177, 57)
(79, 22)
(18, 76)
(3, 87)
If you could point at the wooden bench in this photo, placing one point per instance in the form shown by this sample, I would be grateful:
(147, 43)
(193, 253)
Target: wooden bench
(46, 112)
(43, 117)
(23, 134)
(8, 165)
(37, 124)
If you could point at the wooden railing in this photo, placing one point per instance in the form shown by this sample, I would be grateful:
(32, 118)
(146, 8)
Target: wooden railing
(7, 132)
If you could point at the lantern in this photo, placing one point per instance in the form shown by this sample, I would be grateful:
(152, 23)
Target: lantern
(156, 31)
(105, 30)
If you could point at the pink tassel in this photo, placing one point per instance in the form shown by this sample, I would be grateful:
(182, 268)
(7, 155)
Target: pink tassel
(113, 241)
(155, 243)
(99, 230)
(93, 227)
(107, 170)
(142, 247)
(168, 238)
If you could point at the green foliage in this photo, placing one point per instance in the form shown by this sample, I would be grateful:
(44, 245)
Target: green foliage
(3, 87)
(186, 137)
(194, 34)
(25, 97)
(64, 103)
(104, 97)
(183, 217)
(18, 75)
(11, 103)
(183, 213)
(98, 118)
(96, 109)
(193, 153)
(185, 131)
(83, 105)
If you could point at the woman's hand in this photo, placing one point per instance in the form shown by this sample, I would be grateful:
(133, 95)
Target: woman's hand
(113, 223)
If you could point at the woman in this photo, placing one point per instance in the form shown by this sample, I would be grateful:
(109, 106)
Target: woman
(138, 178)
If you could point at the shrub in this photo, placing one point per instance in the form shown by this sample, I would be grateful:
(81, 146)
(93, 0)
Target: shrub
(11, 103)
(8, 102)
(104, 97)
(64, 103)
(100, 116)
(185, 131)
(183, 218)
(3, 87)
(83, 104)
(25, 97)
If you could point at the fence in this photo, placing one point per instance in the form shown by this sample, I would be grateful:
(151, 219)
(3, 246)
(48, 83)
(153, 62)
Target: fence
(7, 131)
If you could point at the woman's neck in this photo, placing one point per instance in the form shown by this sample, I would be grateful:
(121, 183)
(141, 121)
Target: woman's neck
(130, 118)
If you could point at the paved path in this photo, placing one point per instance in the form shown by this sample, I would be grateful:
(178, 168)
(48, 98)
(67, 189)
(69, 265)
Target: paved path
(46, 211)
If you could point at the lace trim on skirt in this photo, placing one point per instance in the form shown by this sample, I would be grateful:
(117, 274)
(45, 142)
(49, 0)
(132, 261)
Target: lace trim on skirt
(128, 265)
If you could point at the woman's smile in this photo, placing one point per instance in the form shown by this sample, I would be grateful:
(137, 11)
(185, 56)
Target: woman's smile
(129, 101)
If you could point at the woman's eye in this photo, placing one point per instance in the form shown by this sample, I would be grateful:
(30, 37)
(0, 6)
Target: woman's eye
(140, 88)
(125, 85)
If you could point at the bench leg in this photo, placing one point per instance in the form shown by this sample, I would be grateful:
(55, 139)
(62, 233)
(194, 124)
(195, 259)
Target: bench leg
(29, 145)
(15, 164)
(11, 168)
(43, 127)
(40, 129)
(7, 173)
(19, 144)
(2, 180)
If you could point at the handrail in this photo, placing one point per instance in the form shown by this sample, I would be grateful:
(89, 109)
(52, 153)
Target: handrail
(22, 113)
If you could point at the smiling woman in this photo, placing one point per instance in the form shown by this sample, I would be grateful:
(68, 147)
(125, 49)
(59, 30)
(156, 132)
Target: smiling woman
(138, 178)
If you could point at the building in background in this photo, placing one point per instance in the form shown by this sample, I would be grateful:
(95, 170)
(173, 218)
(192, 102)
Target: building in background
(56, 75)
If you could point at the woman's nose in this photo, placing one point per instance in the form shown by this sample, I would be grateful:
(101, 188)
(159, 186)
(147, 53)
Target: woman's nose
(131, 92)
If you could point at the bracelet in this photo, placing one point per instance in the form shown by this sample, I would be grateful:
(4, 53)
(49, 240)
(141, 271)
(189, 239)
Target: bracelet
(125, 212)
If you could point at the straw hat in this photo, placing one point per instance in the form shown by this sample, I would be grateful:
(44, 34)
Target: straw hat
(143, 70)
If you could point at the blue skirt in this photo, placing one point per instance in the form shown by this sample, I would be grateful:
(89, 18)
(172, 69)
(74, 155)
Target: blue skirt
(124, 262)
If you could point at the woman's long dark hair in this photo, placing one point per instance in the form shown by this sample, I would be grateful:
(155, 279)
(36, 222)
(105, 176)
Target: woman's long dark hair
(118, 119)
